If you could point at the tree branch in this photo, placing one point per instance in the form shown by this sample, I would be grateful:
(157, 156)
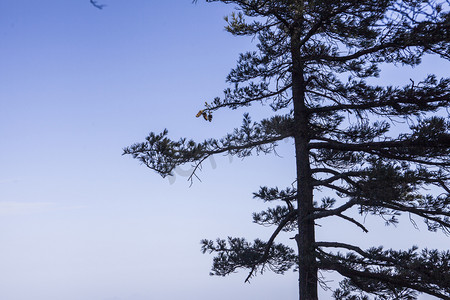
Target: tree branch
(422, 213)
(95, 4)
(342, 245)
(345, 176)
(393, 102)
(382, 148)
(353, 221)
(395, 280)
(333, 212)
(247, 101)
(265, 255)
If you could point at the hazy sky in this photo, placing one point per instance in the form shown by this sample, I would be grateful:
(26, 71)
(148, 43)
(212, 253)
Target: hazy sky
(78, 221)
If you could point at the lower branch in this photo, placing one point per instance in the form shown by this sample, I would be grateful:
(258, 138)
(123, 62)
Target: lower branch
(265, 255)
(394, 280)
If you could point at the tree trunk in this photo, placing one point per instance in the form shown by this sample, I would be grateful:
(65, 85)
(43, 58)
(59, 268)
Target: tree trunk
(306, 234)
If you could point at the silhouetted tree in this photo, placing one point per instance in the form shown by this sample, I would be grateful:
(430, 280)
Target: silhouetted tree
(312, 67)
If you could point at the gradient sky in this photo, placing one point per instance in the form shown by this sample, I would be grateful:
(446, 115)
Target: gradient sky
(78, 221)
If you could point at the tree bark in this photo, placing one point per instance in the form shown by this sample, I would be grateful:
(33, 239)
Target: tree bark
(306, 234)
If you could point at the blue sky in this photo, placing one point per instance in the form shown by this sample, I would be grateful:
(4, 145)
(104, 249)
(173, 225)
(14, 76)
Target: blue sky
(80, 221)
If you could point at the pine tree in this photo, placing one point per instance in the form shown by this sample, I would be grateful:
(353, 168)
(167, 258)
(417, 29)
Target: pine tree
(313, 67)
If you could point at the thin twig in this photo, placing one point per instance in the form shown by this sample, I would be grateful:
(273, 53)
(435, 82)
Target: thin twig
(95, 4)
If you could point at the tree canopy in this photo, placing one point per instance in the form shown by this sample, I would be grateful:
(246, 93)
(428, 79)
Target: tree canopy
(313, 67)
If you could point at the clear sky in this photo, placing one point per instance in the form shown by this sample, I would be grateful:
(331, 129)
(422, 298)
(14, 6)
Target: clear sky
(78, 221)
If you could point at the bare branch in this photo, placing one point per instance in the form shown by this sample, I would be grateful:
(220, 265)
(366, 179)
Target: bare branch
(345, 176)
(95, 4)
(342, 245)
(353, 221)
